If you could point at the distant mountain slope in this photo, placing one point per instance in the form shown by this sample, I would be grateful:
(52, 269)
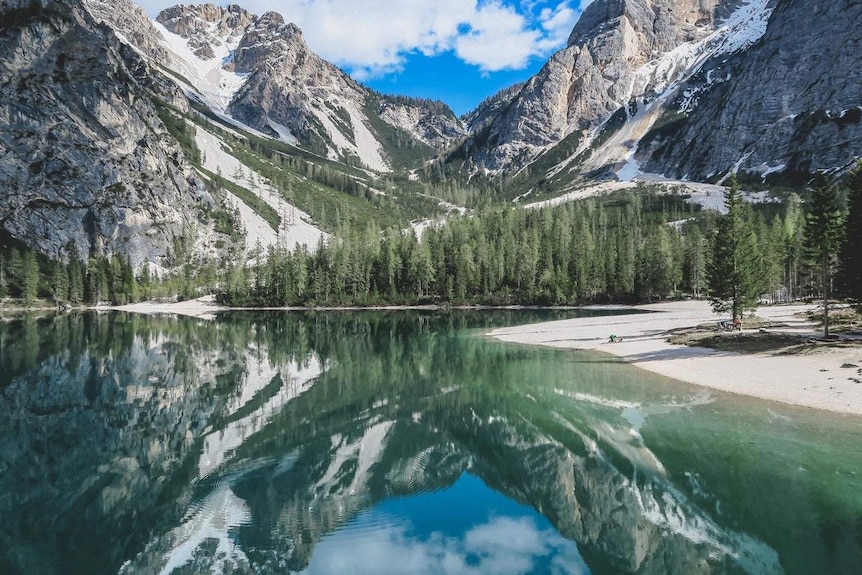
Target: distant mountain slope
(260, 71)
(692, 89)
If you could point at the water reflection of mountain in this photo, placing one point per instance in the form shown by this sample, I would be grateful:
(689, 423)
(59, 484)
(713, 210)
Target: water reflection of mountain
(238, 446)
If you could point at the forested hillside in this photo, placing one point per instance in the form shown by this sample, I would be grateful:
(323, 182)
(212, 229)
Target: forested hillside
(640, 245)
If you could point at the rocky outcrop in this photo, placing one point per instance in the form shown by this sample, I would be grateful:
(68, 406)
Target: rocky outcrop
(490, 108)
(431, 122)
(206, 26)
(599, 72)
(790, 103)
(132, 25)
(84, 158)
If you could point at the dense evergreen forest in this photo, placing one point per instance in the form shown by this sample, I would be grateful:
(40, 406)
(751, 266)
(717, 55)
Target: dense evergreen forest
(630, 246)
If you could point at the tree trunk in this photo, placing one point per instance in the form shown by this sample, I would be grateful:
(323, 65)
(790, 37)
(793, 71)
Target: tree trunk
(825, 299)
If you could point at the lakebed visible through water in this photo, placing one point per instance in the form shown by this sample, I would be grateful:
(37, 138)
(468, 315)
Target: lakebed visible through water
(397, 442)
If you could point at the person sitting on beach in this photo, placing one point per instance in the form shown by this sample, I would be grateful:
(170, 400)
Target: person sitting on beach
(614, 339)
(736, 324)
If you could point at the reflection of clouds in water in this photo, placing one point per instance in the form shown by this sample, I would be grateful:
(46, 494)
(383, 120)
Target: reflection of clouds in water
(503, 546)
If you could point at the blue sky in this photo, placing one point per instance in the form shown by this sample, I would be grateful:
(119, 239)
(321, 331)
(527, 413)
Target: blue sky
(457, 51)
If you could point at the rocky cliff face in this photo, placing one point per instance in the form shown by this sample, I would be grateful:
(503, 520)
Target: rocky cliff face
(206, 27)
(132, 25)
(761, 86)
(604, 68)
(790, 103)
(428, 121)
(84, 157)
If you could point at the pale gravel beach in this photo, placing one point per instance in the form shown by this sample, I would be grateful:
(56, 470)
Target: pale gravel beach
(203, 308)
(814, 380)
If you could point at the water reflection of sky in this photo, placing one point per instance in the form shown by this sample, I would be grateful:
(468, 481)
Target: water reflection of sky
(467, 528)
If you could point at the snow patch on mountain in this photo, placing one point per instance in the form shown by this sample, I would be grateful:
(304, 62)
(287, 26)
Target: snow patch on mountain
(363, 144)
(586, 192)
(283, 132)
(209, 78)
(744, 27)
(296, 228)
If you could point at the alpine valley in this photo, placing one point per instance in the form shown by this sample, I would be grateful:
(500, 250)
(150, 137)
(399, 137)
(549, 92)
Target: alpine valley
(256, 317)
(211, 131)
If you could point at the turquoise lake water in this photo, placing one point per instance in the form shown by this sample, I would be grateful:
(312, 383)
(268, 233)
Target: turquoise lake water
(397, 442)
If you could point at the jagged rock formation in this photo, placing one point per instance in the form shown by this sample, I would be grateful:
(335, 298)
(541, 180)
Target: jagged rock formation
(790, 103)
(603, 69)
(293, 92)
(206, 26)
(260, 71)
(760, 85)
(293, 88)
(84, 157)
(133, 26)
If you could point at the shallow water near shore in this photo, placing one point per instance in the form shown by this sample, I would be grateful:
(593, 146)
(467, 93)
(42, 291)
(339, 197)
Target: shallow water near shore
(393, 442)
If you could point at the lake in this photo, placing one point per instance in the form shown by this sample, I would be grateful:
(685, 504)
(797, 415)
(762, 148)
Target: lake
(397, 442)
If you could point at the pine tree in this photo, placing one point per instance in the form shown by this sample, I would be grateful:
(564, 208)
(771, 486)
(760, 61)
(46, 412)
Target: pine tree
(13, 271)
(144, 281)
(93, 284)
(851, 248)
(76, 277)
(29, 277)
(4, 283)
(60, 283)
(731, 271)
(823, 228)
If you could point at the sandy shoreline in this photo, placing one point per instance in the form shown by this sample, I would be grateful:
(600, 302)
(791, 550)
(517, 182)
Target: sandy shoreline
(815, 380)
(203, 307)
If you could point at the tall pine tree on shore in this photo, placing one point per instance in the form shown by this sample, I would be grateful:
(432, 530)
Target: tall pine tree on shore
(822, 238)
(851, 248)
(29, 277)
(732, 267)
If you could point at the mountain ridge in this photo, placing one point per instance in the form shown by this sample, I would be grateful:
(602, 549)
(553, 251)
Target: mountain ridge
(639, 82)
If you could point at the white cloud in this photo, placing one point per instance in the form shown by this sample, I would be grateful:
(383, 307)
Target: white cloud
(498, 39)
(503, 546)
(373, 37)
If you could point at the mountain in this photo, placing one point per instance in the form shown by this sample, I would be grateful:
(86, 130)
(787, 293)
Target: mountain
(87, 164)
(152, 140)
(260, 71)
(791, 103)
(212, 129)
(761, 86)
